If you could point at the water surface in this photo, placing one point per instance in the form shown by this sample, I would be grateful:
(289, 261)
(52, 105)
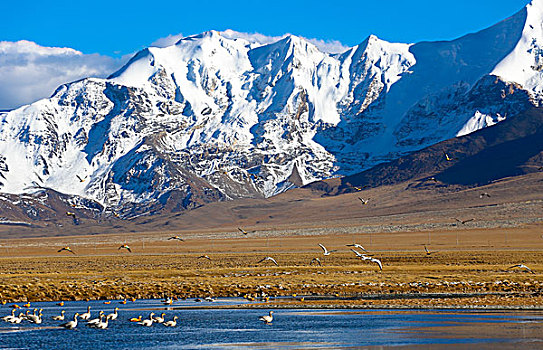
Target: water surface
(291, 328)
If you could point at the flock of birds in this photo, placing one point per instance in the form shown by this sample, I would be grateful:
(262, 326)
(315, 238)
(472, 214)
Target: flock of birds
(99, 322)
(362, 256)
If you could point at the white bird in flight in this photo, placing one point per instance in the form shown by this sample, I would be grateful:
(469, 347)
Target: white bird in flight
(326, 252)
(378, 262)
(522, 266)
(270, 259)
(356, 245)
(361, 256)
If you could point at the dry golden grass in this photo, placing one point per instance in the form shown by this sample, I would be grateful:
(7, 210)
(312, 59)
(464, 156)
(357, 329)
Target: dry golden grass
(32, 269)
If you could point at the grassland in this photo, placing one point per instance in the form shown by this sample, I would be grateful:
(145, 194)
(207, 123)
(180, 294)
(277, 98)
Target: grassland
(467, 268)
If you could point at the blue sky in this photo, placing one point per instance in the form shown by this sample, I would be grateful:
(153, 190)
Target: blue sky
(44, 44)
(116, 28)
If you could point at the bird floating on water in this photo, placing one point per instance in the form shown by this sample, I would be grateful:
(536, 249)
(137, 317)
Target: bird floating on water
(71, 324)
(135, 319)
(86, 315)
(96, 320)
(171, 323)
(270, 259)
(267, 318)
(113, 316)
(159, 319)
(149, 321)
(326, 252)
(59, 317)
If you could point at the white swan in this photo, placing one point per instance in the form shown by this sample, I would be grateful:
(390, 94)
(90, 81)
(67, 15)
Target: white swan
(35, 318)
(71, 324)
(100, 325)
(159, 319)
(96, 320)
(378, 262)
(267, 319)
(171, 323)
(59, 317)
(9, 317)
(522, 266)
(326, 252)
(18, 319)
(86, 315)
(270, 259)
(114, 315)
(148, 322)
(356, 245)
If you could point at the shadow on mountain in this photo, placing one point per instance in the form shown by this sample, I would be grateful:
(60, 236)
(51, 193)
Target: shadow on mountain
(510, 148)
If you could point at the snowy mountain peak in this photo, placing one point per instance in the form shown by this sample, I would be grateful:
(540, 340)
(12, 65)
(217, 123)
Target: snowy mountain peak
(223, 115)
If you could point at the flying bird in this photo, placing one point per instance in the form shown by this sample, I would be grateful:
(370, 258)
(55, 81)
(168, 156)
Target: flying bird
(463, 222)
(361, 256)
(326, 252)
(522, 266)
(448, 158)
(66, 249)
(360, 188)
(432, 179)
(356, 245)
(204, 257)
(270, 259)
(177, 238)
(427, 251)
(80, 178)
(378, 262)
(364, 201)
(316, 261)
(70, 213)
(125, 246)
(484, 194)
(243, 231)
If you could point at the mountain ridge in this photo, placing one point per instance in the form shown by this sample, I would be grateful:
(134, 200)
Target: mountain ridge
(216, 118)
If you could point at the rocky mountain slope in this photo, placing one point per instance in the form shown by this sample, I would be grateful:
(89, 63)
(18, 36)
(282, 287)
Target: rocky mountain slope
(216, 117)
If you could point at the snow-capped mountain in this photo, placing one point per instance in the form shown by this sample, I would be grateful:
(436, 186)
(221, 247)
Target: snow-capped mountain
(216, 116)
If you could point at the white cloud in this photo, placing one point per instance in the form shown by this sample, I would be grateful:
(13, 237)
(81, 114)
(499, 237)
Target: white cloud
(253, 38)
(167, 41)
(29, 71)
(328, 46)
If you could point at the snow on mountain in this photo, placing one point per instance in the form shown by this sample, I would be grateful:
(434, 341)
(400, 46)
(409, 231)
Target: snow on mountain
(219, 116)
